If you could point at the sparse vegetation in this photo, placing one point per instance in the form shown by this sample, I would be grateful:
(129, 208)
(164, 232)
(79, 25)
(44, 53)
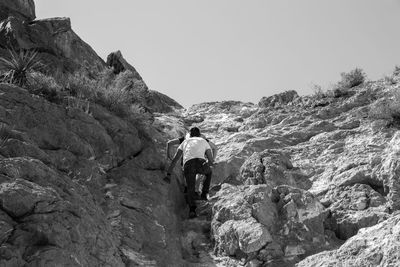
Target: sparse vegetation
(18, 65)
(318, 93)
(352, 78)
(390, 79)
(122, 94)
(45, 86)
(349, 80)
(396, 71)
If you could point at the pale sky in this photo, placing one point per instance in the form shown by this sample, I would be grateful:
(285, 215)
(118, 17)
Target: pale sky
(214, 50)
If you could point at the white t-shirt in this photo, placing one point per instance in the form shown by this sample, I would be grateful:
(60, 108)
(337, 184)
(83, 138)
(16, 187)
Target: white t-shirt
(194, 148)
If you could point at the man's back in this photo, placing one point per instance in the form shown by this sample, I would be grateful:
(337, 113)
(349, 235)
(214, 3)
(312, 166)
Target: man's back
(194, 147)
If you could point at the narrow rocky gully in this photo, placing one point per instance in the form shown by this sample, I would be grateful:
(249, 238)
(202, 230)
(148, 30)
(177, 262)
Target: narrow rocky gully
(300, 180)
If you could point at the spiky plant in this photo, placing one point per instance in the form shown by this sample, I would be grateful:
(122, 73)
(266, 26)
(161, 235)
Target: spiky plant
(16, 67)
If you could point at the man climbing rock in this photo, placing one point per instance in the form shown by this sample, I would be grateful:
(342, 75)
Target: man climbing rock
(195, 150)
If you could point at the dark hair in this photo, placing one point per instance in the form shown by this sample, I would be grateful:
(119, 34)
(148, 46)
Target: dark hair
(194, 132)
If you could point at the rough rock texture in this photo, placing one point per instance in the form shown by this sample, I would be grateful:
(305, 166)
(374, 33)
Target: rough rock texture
(278, 99)
(81, 189)
(374, 246)
(24, 9)
(295, 175)
(276, 226)
(346, 160)
(61, 49)
(119, 64)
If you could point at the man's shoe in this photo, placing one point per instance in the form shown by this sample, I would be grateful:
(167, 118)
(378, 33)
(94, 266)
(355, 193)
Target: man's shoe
(192, 214)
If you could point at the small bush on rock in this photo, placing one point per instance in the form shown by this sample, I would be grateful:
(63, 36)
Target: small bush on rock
(396, 71)
(45, 86)
(352, 78)
(348, 81)
(17, 66)
(318, 93)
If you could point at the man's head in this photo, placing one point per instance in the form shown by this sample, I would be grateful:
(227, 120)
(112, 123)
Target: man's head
(194, 132)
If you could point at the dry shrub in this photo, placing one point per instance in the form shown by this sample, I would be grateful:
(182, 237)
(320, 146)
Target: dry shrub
(396, 71)
(45, 86)
(123, 94)
(390, 79)
(318, 93)
(352, 78)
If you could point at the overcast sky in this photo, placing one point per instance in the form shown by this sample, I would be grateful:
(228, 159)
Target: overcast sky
(213, 50)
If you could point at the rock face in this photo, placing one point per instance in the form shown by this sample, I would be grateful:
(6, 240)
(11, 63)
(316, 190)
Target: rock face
(61, 49)
(271, 225)
(374, 246)
(278, 99)
(24, 9)
(119, 64)
(331, 152)
(295, 175)
(81, 188)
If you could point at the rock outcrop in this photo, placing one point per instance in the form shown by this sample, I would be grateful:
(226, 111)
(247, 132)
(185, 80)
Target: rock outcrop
(61, 48)
(23, 9)
(296, 175)
(153, 101)
(374, 246)
(81, 188)
(334, 153)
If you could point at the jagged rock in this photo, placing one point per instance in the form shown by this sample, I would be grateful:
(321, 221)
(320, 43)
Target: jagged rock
(274, 225)
(374, 246)
(235, 229)
(60, 48)
(278, 99)
(116, 61)
(54, 220)
(25, 9)
(273, 168)
(354, 207)
(56, 152)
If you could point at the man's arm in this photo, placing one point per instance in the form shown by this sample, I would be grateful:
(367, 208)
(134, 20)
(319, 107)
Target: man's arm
(177, 156)
(171, 143)
(209, 156)
(214, 149)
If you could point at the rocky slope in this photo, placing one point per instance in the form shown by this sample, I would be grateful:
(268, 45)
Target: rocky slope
(81, 188)
(300, 180)
(297, 175)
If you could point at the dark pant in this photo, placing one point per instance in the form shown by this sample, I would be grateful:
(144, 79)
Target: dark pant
(190, 170)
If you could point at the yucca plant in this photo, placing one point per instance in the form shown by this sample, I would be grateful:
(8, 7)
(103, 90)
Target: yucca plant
(16, 67)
